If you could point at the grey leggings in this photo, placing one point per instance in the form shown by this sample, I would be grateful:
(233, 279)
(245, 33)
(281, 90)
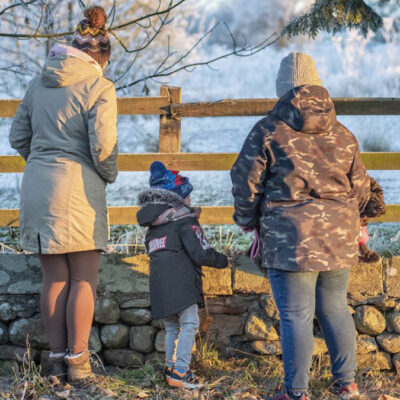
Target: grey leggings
(68, 298)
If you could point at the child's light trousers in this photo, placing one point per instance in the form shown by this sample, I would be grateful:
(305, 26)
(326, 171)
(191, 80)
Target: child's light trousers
(180, 332)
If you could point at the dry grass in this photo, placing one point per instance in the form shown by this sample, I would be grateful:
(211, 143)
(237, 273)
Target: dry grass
(238, 378)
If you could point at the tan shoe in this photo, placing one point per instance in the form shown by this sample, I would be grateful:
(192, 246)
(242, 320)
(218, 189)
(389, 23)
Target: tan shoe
(79, 369)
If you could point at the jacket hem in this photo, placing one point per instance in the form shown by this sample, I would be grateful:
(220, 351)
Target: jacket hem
(177, 311)
(43, 250)
(312, 269)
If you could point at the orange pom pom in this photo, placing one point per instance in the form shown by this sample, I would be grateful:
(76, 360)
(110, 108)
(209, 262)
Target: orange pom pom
(96, 16)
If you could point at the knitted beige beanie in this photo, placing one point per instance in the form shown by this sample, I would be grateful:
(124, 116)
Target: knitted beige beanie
(296, 69)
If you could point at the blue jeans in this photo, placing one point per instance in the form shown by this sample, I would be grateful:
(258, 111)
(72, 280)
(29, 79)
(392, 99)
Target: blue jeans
(180, 333)
(299, 297)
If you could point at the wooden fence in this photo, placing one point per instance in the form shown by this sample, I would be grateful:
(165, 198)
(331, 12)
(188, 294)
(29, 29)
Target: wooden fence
(170, 109)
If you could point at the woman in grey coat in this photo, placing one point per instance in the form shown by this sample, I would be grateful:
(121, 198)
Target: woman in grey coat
(66, 130)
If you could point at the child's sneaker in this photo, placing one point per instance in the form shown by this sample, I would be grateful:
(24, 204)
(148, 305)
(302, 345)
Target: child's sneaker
(289, 395)
(345, 390)
(167, 370)
(185, 380)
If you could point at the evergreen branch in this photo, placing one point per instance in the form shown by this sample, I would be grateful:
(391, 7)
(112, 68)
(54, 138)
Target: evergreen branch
(333, 16)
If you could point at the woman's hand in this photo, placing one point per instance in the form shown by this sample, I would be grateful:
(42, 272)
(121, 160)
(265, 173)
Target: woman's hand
(229, 262)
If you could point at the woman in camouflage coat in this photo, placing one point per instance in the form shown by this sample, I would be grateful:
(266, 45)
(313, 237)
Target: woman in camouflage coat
(300, 180)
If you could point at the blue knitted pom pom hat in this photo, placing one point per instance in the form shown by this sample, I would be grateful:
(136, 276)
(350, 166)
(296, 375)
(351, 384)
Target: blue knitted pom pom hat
(163, 178)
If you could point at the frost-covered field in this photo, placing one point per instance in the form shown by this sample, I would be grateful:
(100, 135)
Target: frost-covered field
(349, 65)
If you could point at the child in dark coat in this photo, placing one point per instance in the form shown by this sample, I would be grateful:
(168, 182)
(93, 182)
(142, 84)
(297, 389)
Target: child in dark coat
(178, 248)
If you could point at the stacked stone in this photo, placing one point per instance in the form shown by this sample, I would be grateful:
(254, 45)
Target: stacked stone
(240, 301)
(374, 302)
(126, 332)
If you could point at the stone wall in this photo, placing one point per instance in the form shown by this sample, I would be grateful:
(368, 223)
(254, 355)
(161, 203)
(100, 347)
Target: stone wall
(244, 316)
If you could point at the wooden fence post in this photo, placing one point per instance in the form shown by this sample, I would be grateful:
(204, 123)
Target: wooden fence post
(170, 127)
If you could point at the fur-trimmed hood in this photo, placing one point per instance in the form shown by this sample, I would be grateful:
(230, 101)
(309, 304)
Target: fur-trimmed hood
(160, 206)
(159, 196)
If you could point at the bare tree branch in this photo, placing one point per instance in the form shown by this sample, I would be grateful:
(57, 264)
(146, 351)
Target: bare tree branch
(44, 5)
(149, 38)
(121, 76)
(118, 27)
(185, 55)
(21, 3)
(111, 14)
(37, 36)
(15, 69)
(82, 4)
(143, 43)
(170, 70)
(33, 60)
(167, 10)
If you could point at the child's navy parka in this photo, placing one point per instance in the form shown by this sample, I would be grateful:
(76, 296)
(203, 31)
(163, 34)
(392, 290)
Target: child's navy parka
(177, 248)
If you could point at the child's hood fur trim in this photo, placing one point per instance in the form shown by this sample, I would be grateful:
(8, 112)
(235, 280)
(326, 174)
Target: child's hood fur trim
(159, 196)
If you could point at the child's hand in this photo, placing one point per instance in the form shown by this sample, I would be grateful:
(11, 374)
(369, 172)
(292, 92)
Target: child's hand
(229, 262)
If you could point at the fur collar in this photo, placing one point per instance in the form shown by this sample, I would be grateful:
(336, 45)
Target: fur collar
(159, 196)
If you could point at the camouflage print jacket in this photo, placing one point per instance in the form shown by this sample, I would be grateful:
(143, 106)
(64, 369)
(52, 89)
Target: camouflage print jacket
(300, 179)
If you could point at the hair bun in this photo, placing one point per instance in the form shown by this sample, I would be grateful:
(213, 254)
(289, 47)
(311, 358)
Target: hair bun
(96, 16)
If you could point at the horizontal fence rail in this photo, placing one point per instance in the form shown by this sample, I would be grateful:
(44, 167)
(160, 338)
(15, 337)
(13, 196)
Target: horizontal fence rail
(213, 215)
(170, 109)
(257, 107)
(199, 161)
(229, 108)
(126, 106)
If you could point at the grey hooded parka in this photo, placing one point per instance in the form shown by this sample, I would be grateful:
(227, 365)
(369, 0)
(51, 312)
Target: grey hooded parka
(66, 130)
